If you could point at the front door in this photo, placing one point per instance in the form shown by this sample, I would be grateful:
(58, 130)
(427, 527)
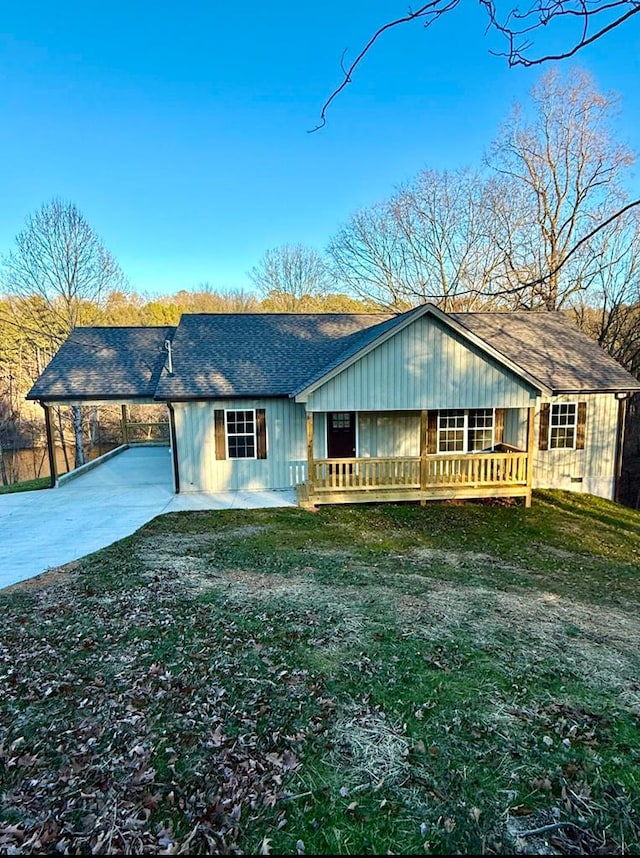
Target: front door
(341, 435)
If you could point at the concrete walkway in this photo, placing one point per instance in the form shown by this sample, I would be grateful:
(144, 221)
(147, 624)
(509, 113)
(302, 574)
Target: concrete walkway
(43, 529)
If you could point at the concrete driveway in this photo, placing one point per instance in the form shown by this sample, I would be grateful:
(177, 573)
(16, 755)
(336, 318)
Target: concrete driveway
(43, 529)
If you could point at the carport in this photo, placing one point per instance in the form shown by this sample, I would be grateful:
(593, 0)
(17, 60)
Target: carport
(105, 366)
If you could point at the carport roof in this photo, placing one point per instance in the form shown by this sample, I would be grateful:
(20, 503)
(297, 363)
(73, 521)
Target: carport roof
(105, 364)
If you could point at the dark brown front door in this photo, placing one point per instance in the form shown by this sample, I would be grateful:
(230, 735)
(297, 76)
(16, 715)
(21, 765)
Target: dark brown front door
(341, 435)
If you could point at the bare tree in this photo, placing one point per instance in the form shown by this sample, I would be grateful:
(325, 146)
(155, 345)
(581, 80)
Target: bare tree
(610, 312)
(366, 255)
(56, 278)
(580, 23)
(433, 240)
(290, 275)
(536, 230)
(566, 172)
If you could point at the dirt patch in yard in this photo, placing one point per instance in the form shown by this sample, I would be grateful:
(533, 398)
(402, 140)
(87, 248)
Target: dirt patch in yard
(53, 577)
(601, 646)
(459, 559)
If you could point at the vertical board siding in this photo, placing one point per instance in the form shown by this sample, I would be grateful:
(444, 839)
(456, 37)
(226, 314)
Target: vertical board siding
(319, 436)
(425, 365)
(200, 471)
(388, 434)
(595, 465)
(515, 427)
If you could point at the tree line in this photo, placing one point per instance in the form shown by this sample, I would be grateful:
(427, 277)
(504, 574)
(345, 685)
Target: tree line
(543, 223)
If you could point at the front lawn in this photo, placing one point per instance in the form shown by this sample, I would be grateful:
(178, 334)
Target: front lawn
(403, 679)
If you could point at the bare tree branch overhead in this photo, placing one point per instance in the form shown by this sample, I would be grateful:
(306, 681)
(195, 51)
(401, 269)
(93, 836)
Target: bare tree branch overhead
(542, 227)
(591, 20)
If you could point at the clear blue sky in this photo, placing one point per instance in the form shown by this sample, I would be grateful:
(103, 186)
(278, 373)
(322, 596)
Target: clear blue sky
(180, 129)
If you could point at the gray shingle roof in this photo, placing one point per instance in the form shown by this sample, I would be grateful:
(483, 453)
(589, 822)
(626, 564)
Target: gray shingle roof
(551, 349)
(256, 354)
(105, 363)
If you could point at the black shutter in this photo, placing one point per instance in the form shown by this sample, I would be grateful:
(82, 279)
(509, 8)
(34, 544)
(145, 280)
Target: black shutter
(261, 433)
(581, 426)
(543, 438)
(432, 432)
(221, 441)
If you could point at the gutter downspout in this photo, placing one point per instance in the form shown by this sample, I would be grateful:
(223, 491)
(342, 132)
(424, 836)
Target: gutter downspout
(174, 448)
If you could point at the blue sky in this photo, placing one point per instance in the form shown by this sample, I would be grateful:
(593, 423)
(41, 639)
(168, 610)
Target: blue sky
(180, 129)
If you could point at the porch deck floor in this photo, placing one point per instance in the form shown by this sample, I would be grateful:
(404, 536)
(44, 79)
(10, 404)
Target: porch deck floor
(45, 529)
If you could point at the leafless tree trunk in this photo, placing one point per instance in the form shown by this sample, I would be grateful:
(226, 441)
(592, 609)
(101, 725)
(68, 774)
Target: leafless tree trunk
(61, 436)
(78, 435)
(94, 427)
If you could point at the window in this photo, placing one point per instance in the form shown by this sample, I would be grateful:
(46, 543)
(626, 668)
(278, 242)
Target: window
(465, 431)
(241, 434)
(451, 431)
(562, 425)
(481, 429)
(341, 420)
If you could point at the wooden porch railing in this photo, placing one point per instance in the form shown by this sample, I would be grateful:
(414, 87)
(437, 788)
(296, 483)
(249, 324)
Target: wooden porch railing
(414, 472)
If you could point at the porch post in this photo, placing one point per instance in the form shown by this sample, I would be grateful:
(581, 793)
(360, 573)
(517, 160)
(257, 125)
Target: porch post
(310, 467)
(124, 424)
(423, 455)
(53, 469)
(530, 449)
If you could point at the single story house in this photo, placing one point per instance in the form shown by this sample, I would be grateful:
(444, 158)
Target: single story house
(361, 407)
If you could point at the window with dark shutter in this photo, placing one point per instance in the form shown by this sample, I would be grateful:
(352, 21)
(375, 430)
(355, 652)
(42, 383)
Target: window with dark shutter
(563, 424)
(241, 434)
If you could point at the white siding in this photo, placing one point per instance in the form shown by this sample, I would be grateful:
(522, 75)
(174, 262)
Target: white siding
(516, 422)
(425, 365)
(284, 467)
(595, 465)
(389, 433)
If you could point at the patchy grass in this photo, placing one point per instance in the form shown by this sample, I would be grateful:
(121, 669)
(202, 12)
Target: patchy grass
(26, 486)
(357, 680)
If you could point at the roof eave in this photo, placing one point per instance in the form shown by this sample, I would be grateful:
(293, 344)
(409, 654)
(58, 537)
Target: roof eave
(217, 397)
(628, 390)
(87, 397)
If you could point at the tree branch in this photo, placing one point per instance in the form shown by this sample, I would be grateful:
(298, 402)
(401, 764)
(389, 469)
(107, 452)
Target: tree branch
(539, 15)
(428, 10)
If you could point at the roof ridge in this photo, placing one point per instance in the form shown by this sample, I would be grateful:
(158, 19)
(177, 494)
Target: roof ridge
(119, 328)
(293, 315)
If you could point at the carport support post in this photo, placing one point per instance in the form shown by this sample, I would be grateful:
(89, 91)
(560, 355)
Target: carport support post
(125, 426)
(53, 469)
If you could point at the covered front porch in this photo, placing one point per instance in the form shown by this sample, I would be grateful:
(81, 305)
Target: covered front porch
(462, 453)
